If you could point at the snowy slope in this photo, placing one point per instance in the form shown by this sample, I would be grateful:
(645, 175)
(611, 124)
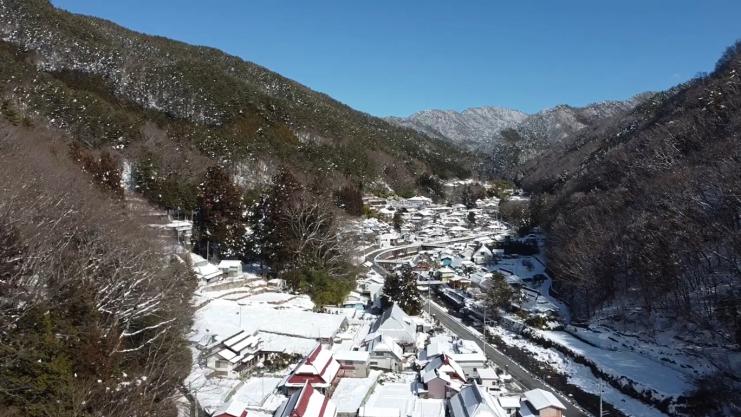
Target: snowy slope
(508, 138)
(473, 128)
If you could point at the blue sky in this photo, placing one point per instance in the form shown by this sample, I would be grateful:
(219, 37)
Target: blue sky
(398, 57)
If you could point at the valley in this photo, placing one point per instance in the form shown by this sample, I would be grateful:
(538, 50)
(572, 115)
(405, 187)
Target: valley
(187, 233)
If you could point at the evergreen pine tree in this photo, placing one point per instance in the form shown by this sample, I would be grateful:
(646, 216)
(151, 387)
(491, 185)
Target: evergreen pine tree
(350, 199)
(391, 290)
(410, 300)
(220, 218)
(397, 221)
(499, 295)
(267, 220)
(401, 288)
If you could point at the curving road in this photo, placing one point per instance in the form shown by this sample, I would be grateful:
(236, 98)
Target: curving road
(520, 374)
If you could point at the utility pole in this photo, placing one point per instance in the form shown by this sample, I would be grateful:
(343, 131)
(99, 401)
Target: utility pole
(429, 300)
(601, 390)
(485, 329)
(240, 316)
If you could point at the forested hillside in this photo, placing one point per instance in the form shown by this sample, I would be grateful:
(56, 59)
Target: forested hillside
(92, 308)
(644, 215)
(541, 131)
(181, 108)
(507, 138)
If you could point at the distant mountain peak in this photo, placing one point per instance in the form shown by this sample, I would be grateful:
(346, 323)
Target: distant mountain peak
(511, 136)
(473, 127)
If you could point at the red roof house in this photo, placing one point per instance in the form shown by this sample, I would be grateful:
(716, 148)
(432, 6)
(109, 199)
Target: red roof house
(307, 402)
(319, 369)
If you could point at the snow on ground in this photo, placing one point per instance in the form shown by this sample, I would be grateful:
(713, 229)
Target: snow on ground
(523, 266)
(256, 390)
(221, 318)
(301, 302)
(211, 393)
(640, 369)
(350, 392)
(526, 267)
(578, 374)
(582, 377)
(268, 298)
(660, 346)
(291, 345)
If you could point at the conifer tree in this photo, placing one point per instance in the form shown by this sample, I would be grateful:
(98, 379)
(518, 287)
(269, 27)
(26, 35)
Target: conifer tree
(220, 220)
(401, 288)
(499, 295)
(397, 221)
(267, 220)
(350, 199)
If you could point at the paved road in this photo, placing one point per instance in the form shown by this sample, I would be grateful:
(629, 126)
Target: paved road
(525, 378)
(374, 254)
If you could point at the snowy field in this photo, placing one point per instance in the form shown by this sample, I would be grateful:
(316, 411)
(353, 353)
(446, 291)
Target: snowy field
(222, 318)
(256, 390)
(644, 371)
(662, 346)
(214, 393)
(211, 393)
(579, 375)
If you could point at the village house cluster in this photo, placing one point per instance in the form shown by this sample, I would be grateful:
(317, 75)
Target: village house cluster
(261, 351)
(391, 365)
(454, 257)
(421, 220)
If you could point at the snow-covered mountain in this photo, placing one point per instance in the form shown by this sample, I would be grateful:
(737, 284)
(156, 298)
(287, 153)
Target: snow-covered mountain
(474, 128)
(509, 137)
(480, 128)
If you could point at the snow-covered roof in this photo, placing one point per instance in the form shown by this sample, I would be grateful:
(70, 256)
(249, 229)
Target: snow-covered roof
(428, 407)
(351, 392)
(230, 263)
(196, 259)
(379, 412)
(307, 402)
(487, 373)
(206, 270)
(271, 342)
(319, 368)
(255, 391)
(390, 400)
(474, 401)
(381, 343)
(509, 401)
(396, 324)
(351, 355)
(444, 365)
(541, 399)
(234, 408)
(461, 351)
(239, 347)
(483, 250)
